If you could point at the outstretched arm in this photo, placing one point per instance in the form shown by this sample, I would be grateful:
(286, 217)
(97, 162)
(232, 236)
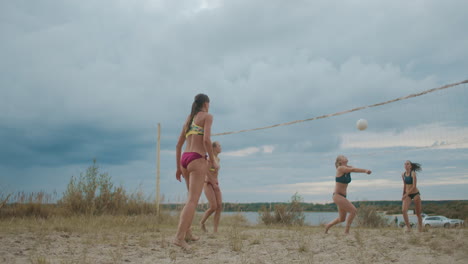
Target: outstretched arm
(345, 169)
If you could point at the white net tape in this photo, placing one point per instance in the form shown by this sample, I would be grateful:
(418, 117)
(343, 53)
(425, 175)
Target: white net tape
(347, 111)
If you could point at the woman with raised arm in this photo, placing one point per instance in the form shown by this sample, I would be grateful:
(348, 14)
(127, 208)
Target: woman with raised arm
(411, 192)
(343, 178)
(192, 164)
(213, 192)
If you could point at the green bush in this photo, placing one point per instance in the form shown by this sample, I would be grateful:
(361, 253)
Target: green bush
(284, 214)
(94, 193)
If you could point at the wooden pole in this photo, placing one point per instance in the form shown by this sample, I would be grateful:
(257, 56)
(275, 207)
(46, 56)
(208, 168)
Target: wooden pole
(158, 171)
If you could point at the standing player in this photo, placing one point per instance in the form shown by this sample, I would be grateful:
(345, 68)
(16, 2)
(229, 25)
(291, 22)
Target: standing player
(196, 132)
(213, 192)
(411, 192)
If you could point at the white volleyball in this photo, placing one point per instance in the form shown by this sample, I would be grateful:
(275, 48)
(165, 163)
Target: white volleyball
(361, 124)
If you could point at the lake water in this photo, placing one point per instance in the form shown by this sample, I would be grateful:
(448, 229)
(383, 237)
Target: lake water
(315, 218)
(311, 218)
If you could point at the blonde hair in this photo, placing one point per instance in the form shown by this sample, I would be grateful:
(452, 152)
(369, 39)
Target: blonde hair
(338, 160)
(215, 143)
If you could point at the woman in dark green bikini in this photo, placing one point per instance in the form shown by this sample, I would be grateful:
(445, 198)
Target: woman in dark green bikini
(411, 192)
(345, 207)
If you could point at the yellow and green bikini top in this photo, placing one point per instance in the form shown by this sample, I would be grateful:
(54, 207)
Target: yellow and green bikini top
(195, 130)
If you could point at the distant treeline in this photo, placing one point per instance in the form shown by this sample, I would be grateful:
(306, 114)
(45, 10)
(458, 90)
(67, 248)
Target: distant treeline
(93, 193)
(449, 208)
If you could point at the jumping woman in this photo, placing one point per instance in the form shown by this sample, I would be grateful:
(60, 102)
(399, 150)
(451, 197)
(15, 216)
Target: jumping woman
(343, 178)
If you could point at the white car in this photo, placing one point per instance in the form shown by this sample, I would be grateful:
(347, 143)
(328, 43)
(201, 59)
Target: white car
(457, 223)
(436, 221)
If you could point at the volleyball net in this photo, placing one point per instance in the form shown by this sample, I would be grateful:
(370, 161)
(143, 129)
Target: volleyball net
(348, 111)
(429, 127)
(271, 163)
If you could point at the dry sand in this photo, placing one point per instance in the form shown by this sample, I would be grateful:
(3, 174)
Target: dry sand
(130, 240)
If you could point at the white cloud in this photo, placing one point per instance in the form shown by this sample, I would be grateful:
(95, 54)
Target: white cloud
(242, 152)
(457, 180)
(327, 187)
(424, 136)
(268, 149)
(250, 151)
(168, 152)
(209, 4)
(302, 188)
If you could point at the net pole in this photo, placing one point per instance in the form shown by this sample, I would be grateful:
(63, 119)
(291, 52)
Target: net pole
(158, 170)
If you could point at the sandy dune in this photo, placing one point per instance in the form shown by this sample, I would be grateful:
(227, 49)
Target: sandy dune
(133, 240)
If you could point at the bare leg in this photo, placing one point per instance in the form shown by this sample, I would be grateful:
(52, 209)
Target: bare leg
(219, 209)
(197, 169)
(340, 202)
(211, 197)
(349, 208)
(418, 209)
(338, 220)
(188, 236)
(186, 175)
(404, 210)
(350, 218)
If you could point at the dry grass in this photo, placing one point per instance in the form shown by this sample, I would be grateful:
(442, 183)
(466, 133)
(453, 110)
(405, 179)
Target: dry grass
(110, 226)
(288, 214)
(235, 240)
(92, 193)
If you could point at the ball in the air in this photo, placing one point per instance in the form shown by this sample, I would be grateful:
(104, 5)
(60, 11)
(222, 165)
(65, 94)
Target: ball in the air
(361, 124)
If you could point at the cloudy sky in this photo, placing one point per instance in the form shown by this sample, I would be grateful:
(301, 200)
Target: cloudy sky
(92, 79)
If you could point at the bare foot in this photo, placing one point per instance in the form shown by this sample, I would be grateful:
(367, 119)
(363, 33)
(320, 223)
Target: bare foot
(408, 230)
(203, 227)
(181, 243)
(346, 230)
(326, 229)
(191, 237)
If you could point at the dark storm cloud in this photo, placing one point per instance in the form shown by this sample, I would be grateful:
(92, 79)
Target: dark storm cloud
(85, 79)
(42, 146)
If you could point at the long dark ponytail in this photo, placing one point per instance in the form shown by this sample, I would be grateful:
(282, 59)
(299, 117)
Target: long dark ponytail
(415, 166)
(197, 105)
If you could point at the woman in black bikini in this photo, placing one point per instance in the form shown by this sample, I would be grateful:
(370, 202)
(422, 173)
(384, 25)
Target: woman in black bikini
(343, 178)
(192, 164)
(411, 192)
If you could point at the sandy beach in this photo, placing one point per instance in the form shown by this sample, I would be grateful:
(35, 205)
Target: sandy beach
(139, 240)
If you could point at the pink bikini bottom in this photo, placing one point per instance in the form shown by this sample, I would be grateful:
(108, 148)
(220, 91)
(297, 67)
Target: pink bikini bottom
(188, 157)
